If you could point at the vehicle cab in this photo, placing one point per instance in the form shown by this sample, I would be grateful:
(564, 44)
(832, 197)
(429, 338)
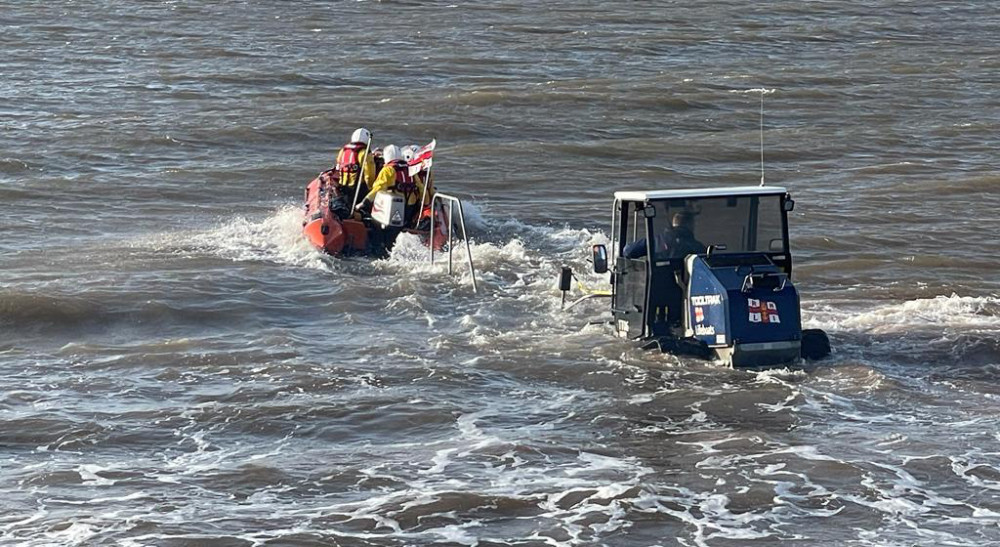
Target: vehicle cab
(707, 267)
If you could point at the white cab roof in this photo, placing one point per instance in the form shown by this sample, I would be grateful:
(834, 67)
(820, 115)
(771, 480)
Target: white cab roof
(698, 193)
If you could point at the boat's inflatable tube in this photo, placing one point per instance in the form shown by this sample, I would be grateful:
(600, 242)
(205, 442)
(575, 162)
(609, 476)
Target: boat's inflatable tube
(334, 235)
(439, 239)
(327, 231)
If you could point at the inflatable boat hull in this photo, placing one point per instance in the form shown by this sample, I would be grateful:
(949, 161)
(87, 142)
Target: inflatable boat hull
(333, 235)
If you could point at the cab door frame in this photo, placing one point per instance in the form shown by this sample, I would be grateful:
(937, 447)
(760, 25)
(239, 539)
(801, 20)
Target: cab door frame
(630, 277)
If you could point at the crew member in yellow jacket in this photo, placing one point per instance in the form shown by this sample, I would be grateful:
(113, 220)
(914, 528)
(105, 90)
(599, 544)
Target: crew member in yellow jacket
(354, 164)
(395, 178)
(424, 222)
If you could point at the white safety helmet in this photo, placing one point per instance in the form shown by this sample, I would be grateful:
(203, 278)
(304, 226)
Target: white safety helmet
(410, 152)
(392, 153)
(361, 135)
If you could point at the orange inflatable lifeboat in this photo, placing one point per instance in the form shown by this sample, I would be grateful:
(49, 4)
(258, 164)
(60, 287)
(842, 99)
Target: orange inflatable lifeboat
(349, 236)
(342, 233)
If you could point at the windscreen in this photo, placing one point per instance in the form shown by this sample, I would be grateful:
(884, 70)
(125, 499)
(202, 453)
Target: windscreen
(742, 223)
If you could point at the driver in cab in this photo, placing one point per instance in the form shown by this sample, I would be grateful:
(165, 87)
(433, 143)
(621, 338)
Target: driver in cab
(677, 241)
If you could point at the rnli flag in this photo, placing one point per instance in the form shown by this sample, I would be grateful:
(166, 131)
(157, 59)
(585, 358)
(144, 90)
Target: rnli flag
(423, 159)
(762, 311)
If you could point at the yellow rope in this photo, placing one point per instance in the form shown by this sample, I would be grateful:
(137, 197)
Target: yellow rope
(587, 290)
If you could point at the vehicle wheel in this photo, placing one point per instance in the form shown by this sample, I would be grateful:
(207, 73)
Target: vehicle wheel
(685, 347)
(815, 344)
(696, 348)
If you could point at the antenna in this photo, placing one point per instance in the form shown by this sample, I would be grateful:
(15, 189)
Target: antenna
(762, 92)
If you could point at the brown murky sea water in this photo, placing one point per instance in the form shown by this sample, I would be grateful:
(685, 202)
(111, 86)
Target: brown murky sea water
(178, 367)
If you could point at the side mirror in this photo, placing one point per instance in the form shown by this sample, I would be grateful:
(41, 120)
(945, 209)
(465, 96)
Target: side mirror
(649, 211)
(789, 205)
(776, 245)
(600, 259)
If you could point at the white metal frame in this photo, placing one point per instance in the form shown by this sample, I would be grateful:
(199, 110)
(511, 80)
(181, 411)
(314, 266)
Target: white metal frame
(698, 193)
(452, 200)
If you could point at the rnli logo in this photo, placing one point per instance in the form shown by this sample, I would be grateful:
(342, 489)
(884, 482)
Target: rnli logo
(762, 311)
(699, 314)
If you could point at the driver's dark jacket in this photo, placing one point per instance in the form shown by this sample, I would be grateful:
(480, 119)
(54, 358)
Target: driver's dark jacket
(676, 243)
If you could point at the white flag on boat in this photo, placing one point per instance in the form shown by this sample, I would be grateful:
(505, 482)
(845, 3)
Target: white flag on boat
(423, 158)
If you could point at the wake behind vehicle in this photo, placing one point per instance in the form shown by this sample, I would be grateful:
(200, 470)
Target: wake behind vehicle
(707, 272)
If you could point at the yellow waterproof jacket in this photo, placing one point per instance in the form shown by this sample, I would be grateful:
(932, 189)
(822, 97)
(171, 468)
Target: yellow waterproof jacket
(428, 180)
(367, 170)
(386, 182)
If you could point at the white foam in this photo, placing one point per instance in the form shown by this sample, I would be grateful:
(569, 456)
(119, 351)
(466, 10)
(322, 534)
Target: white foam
(963, 466)
(78, 533)
(761, 90)
(606, 480)
(953, 312)
(102, 500)
(15, 524)
(275, 238)
(708, 446)
(88, 474)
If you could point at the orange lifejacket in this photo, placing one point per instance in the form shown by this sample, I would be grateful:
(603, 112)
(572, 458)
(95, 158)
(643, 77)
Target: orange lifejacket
(405, 183)
(350, 163)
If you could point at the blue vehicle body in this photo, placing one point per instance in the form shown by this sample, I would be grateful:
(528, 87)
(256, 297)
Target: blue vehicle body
(749, 312)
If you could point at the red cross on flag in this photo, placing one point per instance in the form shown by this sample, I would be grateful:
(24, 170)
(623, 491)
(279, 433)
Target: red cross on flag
(423, 158)
(762, 311)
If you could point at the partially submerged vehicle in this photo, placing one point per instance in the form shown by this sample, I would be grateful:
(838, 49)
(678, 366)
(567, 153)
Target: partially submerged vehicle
(706, 272)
